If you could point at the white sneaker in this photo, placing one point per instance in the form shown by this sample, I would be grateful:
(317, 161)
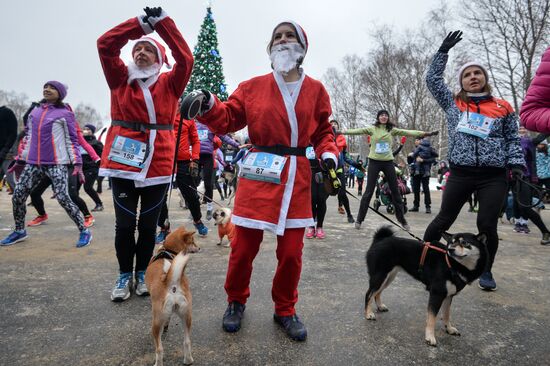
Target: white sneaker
(121, 291)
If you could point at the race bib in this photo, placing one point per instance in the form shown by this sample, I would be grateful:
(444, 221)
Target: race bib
(263, 167)
(382, 147)
(128, 151)
(475, 124)
(310, 153)
(203, 135)
(229, 158)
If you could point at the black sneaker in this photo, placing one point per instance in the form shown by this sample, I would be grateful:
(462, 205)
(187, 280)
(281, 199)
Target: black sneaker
(233, 316)
(428, 210)
(97, 208)
(414, 209)
(351, 219)
(294, 328)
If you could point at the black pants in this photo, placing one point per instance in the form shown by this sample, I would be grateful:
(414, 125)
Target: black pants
(185, 184)
(91, 175)
(318, 201)
(360, 185)
(375, 167)
(342, 196)
(206, 164)
(416, 182)
(125, 199)
(73, 185)
(523, 193)
(491, 187)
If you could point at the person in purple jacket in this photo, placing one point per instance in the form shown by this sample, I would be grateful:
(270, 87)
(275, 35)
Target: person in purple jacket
(206, 161)
(49, 148)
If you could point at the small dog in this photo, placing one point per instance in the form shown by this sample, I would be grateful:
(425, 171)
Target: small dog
(222, 218)
(169, 289)
(445, 270)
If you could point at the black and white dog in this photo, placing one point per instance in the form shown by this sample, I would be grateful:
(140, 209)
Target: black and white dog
(444, 269)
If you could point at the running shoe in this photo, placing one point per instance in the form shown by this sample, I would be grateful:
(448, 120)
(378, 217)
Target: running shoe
(38, 220)
(14, 237)
(89, 221)
(84, 239)
(518, 227)
(97, 208)
(233, 316)
(294, 328)
(351, 219)
(209, 215)
(201, 228)
(161, 236)
(357, 225)
(141, 287)
(121, 291)
(341, 210)
(526, 229)
(310, 232)
(486, 282)
(545, 239)
(320, 233)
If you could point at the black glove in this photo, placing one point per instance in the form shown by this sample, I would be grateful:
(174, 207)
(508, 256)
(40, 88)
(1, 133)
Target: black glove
(432, 133)
(151, 12)
(195, 103)
(450, 41)
(517, 171)
(329, 164)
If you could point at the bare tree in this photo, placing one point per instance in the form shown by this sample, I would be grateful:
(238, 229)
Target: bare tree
(87, 114)
(510, 35)
(17, 102)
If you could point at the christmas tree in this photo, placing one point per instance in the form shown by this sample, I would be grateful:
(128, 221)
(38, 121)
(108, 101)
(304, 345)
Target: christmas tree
(207, 70)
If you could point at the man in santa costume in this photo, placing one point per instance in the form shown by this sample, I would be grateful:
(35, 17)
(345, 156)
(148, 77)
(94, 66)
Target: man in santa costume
(285, 111)
(140, 144)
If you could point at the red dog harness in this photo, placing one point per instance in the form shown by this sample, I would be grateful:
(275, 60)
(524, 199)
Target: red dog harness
(427, 246)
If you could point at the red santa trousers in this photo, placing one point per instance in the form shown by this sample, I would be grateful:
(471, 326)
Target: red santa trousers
(244, 248)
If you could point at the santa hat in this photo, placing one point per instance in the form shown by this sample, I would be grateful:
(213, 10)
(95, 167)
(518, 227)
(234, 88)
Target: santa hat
(302, 37)
(161, 51)
(470, 64)
(59, 86)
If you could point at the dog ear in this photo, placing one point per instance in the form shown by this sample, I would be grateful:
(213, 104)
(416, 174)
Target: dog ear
(448, 237)
(482, 237)
(188, 235)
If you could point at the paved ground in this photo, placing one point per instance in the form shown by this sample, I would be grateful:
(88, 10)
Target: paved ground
(56, 308)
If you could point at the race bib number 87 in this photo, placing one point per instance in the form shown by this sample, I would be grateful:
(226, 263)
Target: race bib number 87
(263, 166)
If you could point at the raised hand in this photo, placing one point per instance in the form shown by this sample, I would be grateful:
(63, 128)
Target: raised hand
(450, 41)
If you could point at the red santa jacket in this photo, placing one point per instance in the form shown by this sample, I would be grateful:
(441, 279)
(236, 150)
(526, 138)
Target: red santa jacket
(153, 101)
(274, 117)
(190, 144)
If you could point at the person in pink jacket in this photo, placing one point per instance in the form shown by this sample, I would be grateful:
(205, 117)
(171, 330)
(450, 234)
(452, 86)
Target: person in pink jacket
(535, 111)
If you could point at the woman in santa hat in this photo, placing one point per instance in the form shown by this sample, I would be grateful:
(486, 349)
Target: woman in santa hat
(139, 148)
(285, 111)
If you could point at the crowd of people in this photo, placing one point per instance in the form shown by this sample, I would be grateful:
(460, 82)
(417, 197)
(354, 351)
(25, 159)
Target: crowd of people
(149, 146)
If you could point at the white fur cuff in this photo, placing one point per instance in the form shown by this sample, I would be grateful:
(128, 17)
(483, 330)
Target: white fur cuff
(144, 25)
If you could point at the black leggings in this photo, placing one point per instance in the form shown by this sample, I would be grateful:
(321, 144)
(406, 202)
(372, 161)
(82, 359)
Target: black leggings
(318, 201)
(491, 188)
(185, 184)
(206, 163)
(73, 185)
(360, 185)
(342, 196)
(417, 181)
(524, 194)
(125, 199)
(91, 175)
(375, 167)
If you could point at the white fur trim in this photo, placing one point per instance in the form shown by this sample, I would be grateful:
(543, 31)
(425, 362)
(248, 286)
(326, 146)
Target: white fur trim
(155, 20)
(329, 155)
(254, 224)
(298, 223)
(114, 173)
(144, 25)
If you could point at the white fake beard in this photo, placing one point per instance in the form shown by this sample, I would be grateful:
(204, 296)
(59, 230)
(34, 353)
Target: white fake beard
(135, 72)
(284, 57)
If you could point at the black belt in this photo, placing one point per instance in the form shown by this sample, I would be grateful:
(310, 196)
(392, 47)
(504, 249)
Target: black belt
(141, 126)
(282, 150)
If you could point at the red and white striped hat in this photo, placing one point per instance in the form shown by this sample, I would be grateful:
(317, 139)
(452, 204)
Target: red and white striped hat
(302, 37)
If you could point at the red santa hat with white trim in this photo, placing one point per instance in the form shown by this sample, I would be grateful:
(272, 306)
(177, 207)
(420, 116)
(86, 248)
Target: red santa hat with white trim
(302, 37)
(161, 51)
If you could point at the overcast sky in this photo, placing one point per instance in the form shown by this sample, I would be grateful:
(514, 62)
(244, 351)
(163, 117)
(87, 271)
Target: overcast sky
(56, 39)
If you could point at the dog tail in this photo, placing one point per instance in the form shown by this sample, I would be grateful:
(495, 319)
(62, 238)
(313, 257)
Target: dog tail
(176, 269)
(382, 233)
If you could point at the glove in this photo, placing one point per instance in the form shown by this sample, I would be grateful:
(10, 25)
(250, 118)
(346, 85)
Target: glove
(195, 103)
(432, 133)
(517, 171)
(16, 167)
(403, 140)
(329, 164)
(193, 169)
(77, 170)
(450, 41)
(153, 13)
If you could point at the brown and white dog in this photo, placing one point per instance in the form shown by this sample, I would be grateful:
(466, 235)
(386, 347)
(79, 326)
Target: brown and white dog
(222, 218)
(169, 289)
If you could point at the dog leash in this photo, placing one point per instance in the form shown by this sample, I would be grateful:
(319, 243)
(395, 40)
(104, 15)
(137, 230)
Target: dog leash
(384, 216)
(538, 189)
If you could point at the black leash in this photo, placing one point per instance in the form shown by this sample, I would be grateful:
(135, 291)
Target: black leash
(384, 216)
(540, 191)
